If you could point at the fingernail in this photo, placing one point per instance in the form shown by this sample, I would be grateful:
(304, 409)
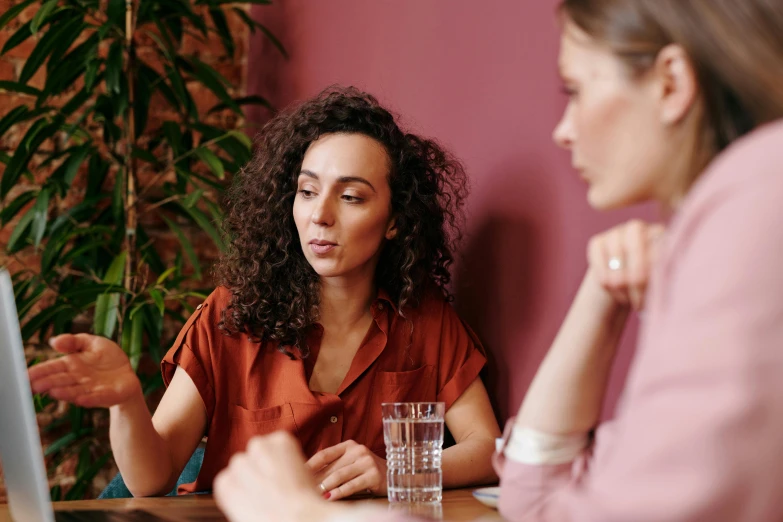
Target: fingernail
(327, 495)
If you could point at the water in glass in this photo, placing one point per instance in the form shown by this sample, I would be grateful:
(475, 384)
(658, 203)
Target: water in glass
(413, 433)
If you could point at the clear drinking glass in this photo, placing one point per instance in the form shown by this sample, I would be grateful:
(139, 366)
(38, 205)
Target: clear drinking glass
(413, 433)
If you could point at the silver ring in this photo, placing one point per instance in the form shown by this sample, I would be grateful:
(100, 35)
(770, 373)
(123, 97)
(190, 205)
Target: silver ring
(615, 263)
(322, 487)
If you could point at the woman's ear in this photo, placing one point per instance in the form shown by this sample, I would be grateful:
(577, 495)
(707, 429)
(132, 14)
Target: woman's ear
(391, 230)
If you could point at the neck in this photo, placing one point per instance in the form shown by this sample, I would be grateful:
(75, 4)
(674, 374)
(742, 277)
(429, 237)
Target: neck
(345, 303)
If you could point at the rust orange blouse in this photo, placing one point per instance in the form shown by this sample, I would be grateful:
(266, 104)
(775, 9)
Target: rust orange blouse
(252, 389)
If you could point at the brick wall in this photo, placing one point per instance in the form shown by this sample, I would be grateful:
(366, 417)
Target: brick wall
(211, 52)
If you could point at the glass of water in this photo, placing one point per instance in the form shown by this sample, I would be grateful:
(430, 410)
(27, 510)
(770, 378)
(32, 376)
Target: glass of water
(413, 433)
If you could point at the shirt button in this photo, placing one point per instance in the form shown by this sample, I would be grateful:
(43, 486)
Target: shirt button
(380, 306)
(334, 419)
(199, 307)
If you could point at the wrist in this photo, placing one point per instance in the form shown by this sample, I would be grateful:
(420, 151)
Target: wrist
(599, 297)
(134, 403)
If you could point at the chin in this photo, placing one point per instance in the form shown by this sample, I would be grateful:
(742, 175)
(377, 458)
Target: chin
(604, 200)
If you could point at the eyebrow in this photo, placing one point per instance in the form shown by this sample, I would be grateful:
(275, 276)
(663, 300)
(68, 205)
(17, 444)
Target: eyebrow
(342, 179)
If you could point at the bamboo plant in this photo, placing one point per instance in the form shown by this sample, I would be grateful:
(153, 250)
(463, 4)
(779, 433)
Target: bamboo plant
(129, 156)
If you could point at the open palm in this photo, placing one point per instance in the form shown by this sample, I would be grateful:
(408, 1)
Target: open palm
(95, 372)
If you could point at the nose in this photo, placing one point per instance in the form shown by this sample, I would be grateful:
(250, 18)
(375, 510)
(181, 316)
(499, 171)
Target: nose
(564, 135)
(323, 213)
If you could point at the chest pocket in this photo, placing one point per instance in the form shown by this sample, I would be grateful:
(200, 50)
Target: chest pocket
(412, 386)
(247, 423)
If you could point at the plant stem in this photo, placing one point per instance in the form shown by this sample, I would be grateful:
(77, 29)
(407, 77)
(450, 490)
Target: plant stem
(130, 161)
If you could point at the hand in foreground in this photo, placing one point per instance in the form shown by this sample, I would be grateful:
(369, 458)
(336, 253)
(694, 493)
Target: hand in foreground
(270, 482)
(95, 372)
(347, 469)
(621, 259)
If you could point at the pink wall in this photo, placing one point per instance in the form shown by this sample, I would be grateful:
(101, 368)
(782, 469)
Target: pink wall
(481, 77)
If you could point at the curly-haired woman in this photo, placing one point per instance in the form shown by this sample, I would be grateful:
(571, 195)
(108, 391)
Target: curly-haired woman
(332, 299)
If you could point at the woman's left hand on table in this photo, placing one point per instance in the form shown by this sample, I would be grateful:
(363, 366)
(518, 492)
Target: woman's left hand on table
(348, 469)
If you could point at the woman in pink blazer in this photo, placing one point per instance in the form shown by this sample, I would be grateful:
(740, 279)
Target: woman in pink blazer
(678, 102)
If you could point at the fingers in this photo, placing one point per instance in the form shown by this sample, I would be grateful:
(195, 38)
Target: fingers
(622, 260)
(55, 378)
(70, 393)
(342, 475)
(638, 264)
(357, 471)
(609, 250)
(251, 487)
(327, 456)
(231, 496)
(362, 483)
(47, 369)
(70, 343)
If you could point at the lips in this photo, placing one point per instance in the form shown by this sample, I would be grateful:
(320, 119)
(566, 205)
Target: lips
(322, 246)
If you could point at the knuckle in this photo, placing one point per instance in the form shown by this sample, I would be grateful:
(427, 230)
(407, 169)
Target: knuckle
(256, 445)
(236, 462)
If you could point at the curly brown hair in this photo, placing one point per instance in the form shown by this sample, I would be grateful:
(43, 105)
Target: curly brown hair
(274, 290)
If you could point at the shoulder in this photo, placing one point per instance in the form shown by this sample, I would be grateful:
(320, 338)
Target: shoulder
(217, 300)
(753, 164)
(432, 304)
(744, 185)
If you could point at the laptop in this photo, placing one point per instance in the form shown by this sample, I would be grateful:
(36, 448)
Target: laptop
(20, 445)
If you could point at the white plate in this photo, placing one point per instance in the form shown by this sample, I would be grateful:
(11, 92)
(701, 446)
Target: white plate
(488, 496)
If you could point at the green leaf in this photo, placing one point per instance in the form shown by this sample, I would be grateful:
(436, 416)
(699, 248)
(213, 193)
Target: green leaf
(206, 225)
(79, 489)
(253, 25)
(105, 320)
(63, 442)
(13, 11)
(244, 100)
(181, 91)
(212, 161)
(162, 277)
(117, 200)
(97, 169)
(63, 45)
(14, 116)
(144, 155)
(76, 102)
(193, 198)
(137, 336)
(19, 234)
(59, 34)
(36, 134)
(142, 96)
(21, 34)
(157, 296)
(41, 215)
(186, 246)
(13, 208)
(42, 14)
(173, 136)
(39, 322)
(221, 25)
(114, 67)
(73, 163)
(115, 12)
(91, 74)
(18, 87)
(242, 137)
(215, 82)
(63, 71)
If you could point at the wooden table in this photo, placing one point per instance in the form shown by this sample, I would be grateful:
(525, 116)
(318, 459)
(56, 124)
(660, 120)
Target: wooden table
(458, 505)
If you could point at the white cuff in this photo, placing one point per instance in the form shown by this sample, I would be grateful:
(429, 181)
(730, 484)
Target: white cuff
(529, 446)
